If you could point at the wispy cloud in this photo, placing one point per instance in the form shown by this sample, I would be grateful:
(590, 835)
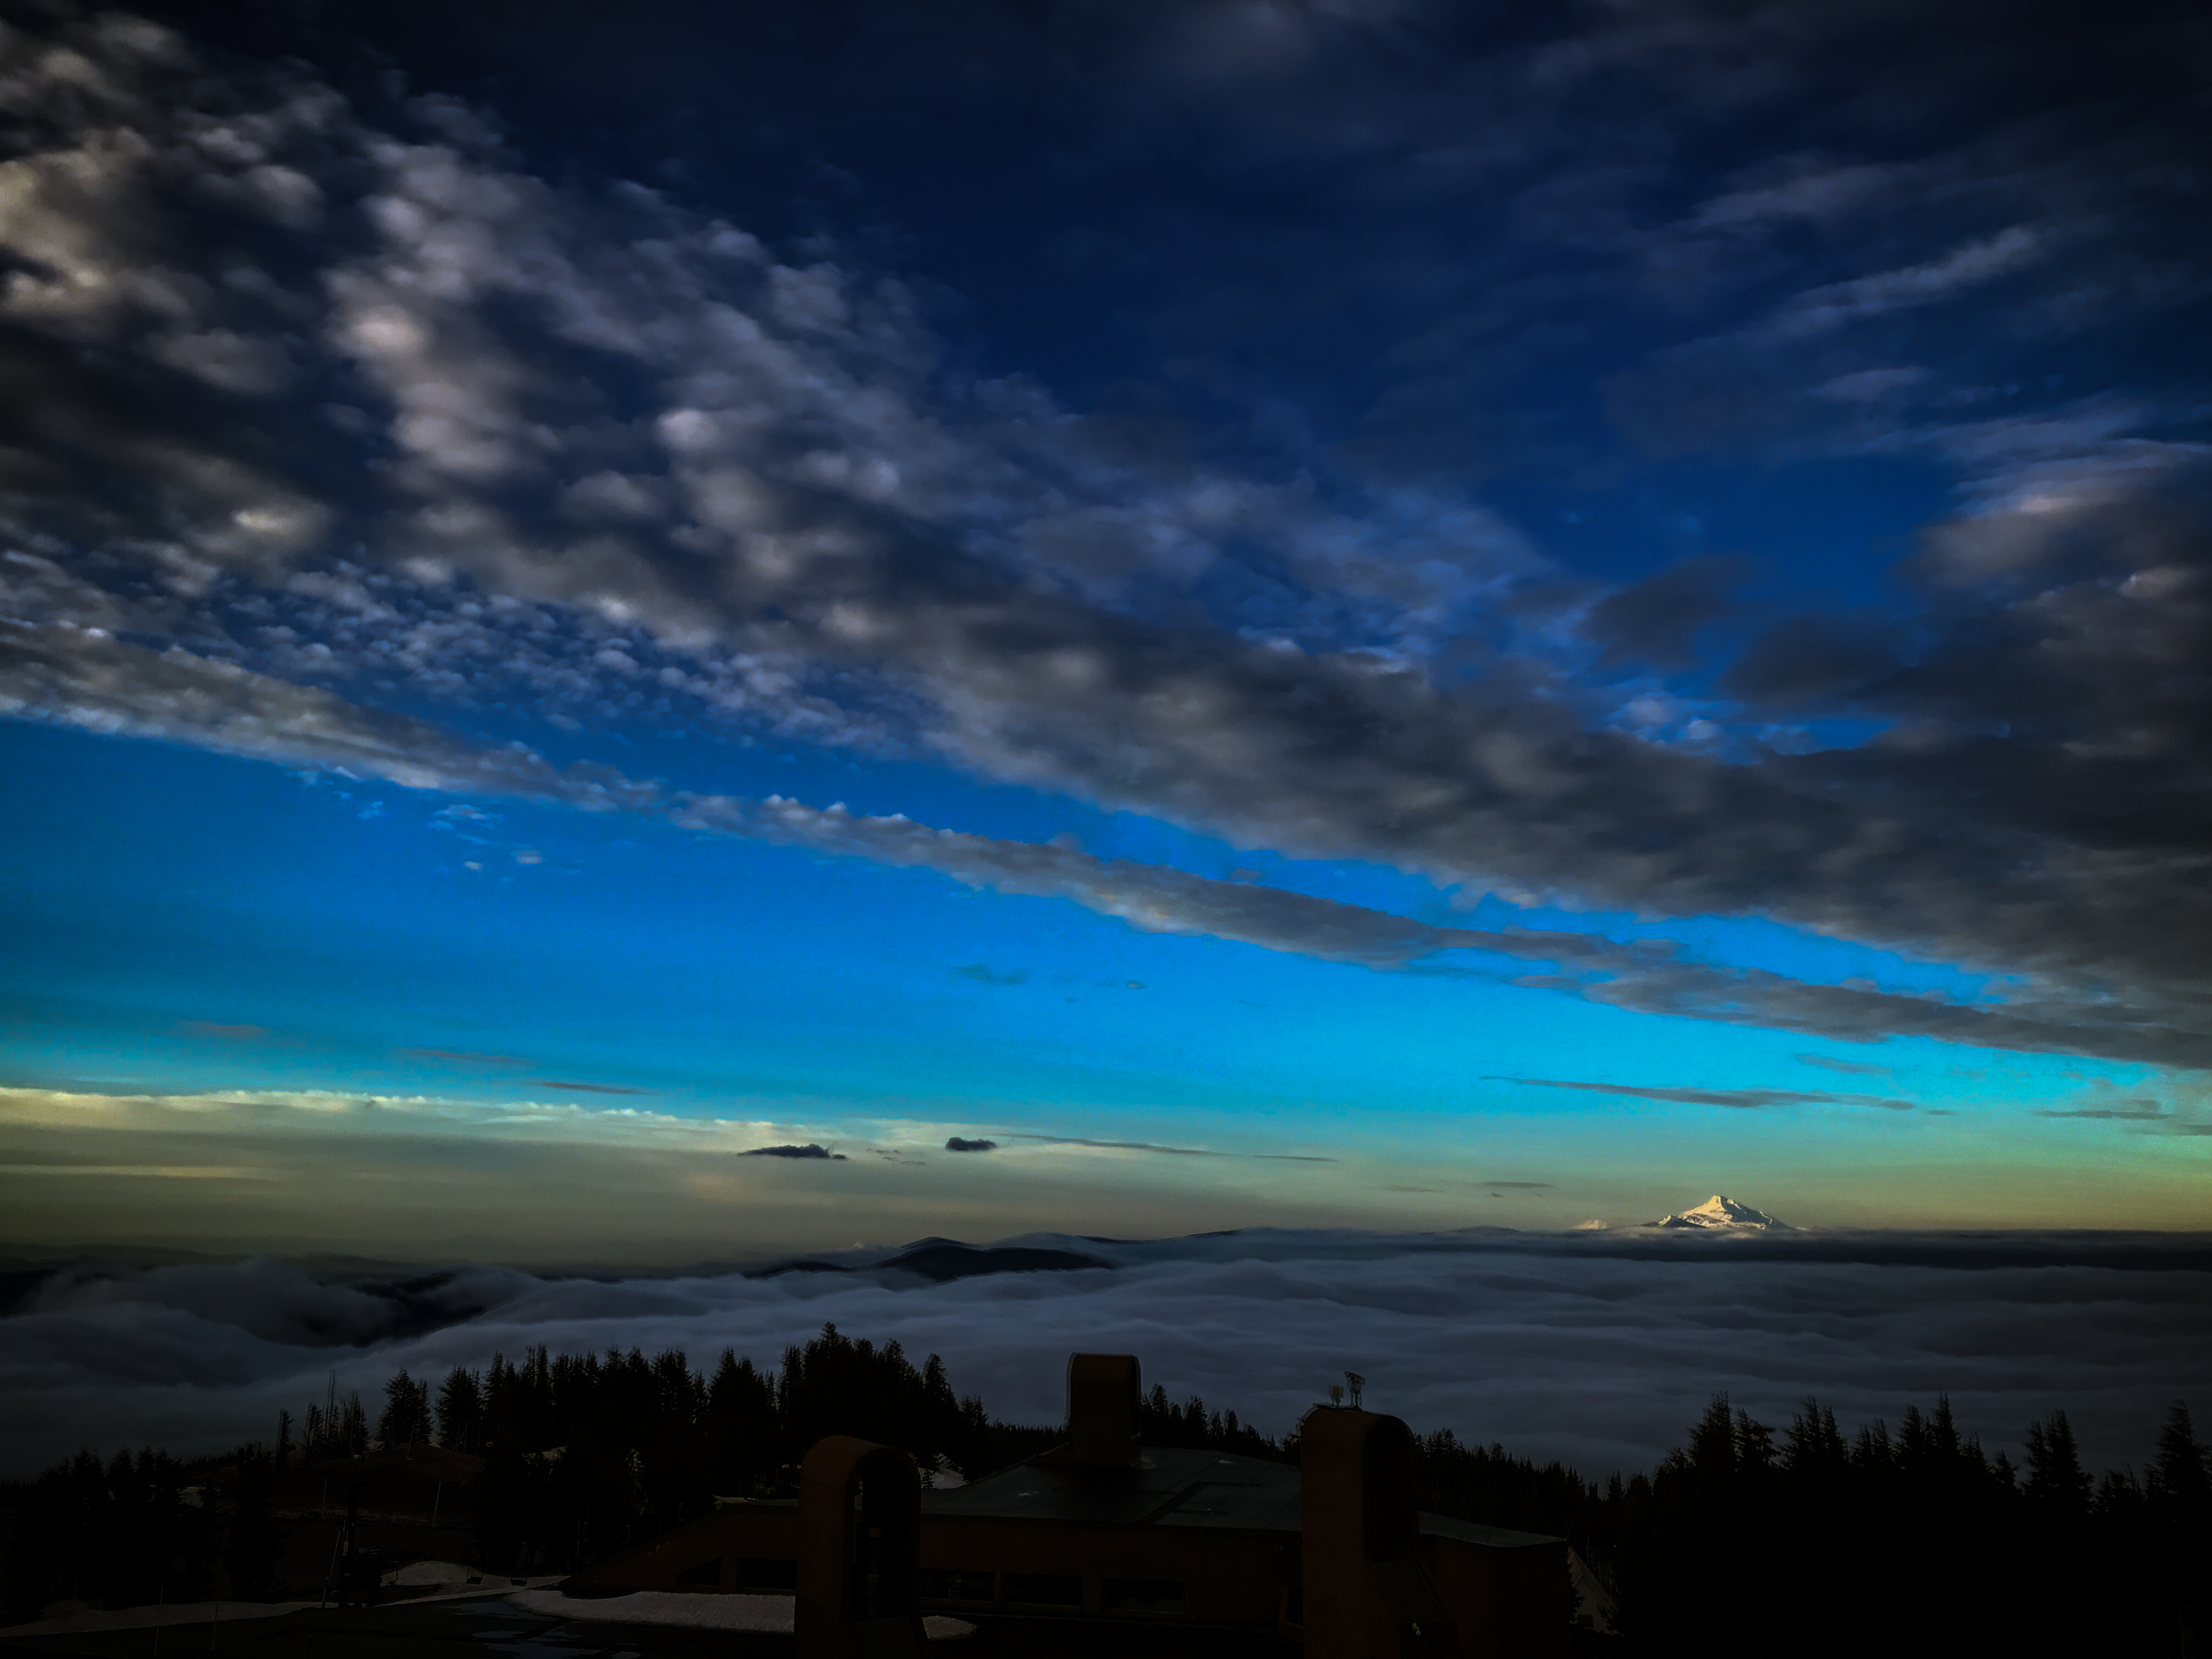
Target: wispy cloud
(1171, 1152)
(87, 679)
(1848, 1067)
(150, 1171)
(1741, 1099)
(1836, 304)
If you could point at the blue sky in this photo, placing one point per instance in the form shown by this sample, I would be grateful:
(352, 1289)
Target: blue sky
(1326, 614)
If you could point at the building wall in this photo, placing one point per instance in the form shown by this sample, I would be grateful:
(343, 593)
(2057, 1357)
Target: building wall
(747, 1547)
(1506, 1603)
(1240, 1579)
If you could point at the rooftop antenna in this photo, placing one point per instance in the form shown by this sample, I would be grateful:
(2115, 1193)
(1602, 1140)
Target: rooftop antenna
(1336, 1394)
(1357, 1384)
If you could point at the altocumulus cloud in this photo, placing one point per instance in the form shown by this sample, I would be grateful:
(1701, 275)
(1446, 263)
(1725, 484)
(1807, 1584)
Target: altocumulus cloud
(1599, 1349)
(319, 394)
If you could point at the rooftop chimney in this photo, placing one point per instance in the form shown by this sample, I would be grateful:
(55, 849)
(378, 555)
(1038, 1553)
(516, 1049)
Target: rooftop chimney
(859, 1543)
(1365, 1594)
(1103, 1394)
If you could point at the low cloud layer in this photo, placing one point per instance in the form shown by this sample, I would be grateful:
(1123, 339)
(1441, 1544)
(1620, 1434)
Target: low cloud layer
(1600, 1350)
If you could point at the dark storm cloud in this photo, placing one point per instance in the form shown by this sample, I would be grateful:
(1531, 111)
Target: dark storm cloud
(1742, 1099)
(1812, 662)
(957, 1143)
(810, 1150)
(1656, 621)
(326, 393)
(1601, 1351)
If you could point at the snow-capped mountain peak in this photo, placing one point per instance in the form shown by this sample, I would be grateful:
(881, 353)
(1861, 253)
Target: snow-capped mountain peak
(1718, 1214)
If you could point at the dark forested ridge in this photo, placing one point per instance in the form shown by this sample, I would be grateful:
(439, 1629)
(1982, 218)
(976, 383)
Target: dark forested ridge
(1907, 1539)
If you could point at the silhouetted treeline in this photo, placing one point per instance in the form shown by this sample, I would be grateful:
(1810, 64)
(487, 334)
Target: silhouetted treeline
(134, 1528)
(584, 1453)
(337, 1428)
(1914, 1540)
(1162, 1423)
(1805, 1538)
(1491, 1485)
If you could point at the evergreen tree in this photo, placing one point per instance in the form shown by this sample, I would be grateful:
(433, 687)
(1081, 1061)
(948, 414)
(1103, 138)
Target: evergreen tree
(1815, 1451)
(406, 1419)
(2179, 1524)
(2057, 1482)
(460, 1410)
(2179, 1475)
(1710, 1456)
(117, 1534)
(743, 1439)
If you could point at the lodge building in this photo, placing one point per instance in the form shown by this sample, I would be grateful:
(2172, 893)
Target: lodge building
(1334, 1556)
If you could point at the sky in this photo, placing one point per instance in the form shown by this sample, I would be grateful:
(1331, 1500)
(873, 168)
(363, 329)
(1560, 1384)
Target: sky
(1376, 615)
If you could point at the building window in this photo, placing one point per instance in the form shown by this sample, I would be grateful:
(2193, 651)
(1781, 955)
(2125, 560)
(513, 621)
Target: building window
(1144, 1596)
(1044, 1590)
(768, 1575)
(958, 1586)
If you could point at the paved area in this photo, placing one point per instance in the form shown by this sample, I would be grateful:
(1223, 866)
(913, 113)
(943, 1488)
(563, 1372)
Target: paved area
(470, 1629)
(492, 1625)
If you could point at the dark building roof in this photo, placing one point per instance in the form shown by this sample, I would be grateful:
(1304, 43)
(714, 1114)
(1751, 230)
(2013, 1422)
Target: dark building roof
(1167, 1488)
(1471, 1532)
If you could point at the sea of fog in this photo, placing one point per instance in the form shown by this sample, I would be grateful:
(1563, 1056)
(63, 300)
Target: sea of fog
(1599, 1349)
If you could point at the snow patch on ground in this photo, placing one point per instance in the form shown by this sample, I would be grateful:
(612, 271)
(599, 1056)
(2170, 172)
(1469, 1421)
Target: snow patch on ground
(438, 1573)
(769, 1615)
(147, 1618)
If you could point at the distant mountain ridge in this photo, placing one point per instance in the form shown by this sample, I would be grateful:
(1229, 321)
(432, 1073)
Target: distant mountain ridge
(1723, 1214)
(943, 1260)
